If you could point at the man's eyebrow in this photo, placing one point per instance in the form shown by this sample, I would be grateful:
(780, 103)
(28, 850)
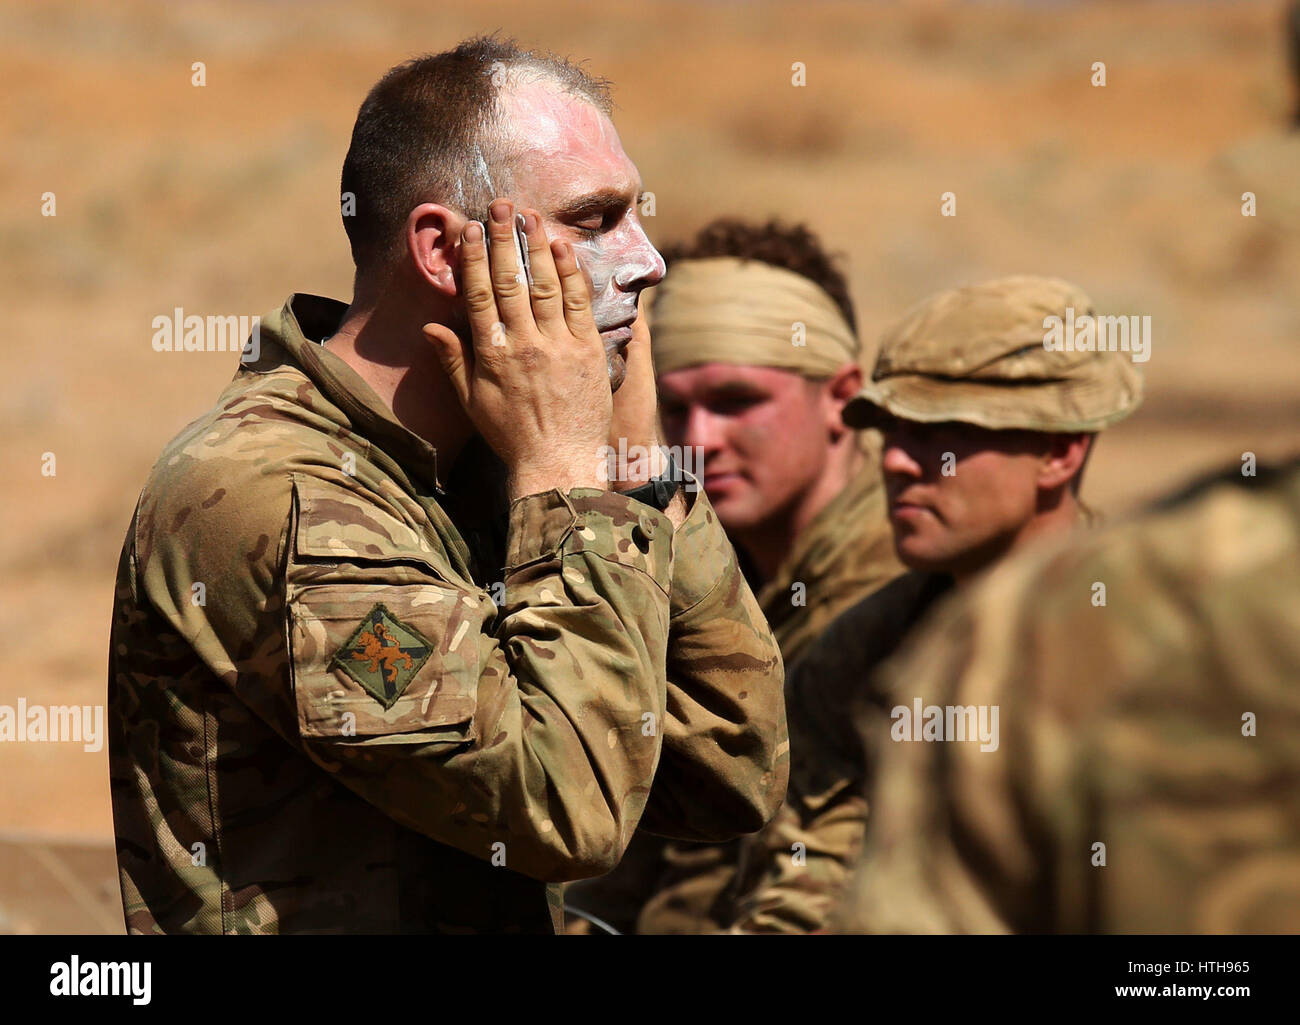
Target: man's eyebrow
(596, 202)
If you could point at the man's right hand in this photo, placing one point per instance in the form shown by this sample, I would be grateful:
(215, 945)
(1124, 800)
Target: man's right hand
(533, 380)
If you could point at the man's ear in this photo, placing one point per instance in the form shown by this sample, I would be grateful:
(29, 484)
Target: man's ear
(842, 386)
(433, 245)
(1063, 460)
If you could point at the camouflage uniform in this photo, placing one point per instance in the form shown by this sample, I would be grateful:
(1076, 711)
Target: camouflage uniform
(321, 720)
(672, 887)
(973, 355)
(739, 312)
(1164, 725)
(797, 867)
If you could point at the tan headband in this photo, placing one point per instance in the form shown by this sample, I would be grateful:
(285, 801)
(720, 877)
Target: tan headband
(725, 310)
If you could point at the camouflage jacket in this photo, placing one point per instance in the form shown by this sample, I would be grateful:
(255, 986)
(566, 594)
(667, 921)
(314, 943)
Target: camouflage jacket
(344, 699)
(846, 553)
(798, 866)
(1146, 777)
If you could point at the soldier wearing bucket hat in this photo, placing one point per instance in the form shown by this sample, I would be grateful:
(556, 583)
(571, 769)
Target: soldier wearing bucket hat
(988, 415)
(985, 355)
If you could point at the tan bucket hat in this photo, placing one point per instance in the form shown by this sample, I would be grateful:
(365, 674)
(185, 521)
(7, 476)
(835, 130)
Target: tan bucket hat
(985, 355)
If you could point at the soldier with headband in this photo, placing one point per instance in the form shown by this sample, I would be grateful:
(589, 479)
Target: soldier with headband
(755, 354)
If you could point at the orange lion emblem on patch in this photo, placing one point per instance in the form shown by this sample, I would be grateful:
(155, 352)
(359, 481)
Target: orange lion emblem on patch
(378, 646)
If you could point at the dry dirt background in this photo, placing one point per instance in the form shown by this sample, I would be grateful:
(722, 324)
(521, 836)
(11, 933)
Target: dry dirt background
(223, 200)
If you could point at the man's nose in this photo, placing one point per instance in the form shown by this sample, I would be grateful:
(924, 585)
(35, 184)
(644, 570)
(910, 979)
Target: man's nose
(702, 430)
(899, 459)
(644, 267)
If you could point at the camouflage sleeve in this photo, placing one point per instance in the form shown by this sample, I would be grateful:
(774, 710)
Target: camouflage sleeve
(807, 854)
(1121, 786)
(512, 734)
(725, 759)
(918, 873)
(800, 865)
(794, 872)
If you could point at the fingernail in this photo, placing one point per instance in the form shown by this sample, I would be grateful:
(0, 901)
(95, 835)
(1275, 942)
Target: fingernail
(473, 231)
(500, 211)
(530, 222)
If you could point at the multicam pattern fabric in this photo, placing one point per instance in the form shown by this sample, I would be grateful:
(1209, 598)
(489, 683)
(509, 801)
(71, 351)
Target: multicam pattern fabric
(673, 887)
(1159, 731)
(576, 668)
(798, 867)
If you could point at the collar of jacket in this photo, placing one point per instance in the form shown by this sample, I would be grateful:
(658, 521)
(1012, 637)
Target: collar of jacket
(292, 334)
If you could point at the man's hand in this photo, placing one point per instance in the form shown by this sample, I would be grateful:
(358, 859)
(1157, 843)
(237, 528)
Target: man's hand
(636, 418)
(533, 381)
(636, 412)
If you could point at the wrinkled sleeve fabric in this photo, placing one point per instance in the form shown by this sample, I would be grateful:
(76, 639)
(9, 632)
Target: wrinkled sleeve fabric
(800, 865)
(725, 760)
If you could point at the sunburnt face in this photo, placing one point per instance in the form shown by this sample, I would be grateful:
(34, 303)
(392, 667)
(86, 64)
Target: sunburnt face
(761, 432)
(573, 171)
(960, 520)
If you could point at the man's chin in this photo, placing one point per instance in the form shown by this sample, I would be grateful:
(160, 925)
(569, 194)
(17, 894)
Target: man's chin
(924, 558)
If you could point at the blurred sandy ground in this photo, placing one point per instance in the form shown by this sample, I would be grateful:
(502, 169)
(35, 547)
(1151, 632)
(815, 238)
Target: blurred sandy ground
(224, 199)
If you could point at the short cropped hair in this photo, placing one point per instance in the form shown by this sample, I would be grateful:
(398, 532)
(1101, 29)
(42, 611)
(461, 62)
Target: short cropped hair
(429, 132)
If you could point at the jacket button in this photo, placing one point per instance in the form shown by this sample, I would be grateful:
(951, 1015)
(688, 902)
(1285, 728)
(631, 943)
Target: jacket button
(643, 531)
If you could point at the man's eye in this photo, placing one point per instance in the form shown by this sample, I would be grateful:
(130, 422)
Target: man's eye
(599, 223)
(736, 403)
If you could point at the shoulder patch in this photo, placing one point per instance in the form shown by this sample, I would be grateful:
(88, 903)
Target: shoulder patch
(383, 655)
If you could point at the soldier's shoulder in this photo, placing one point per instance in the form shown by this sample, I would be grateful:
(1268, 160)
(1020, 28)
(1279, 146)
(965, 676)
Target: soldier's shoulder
(1162, 596)
(835, 679)
(852, 544)
(231, 474)
(258, 420)
(1223, 553)
(1224, 531)
(868, 630)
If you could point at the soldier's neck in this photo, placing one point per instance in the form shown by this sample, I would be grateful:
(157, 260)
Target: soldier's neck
(1056, 518)
(387, 349)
